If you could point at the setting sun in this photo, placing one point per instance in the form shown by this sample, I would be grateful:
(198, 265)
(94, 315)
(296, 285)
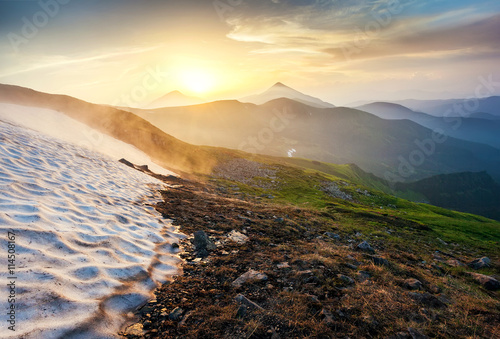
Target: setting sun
(196, 81)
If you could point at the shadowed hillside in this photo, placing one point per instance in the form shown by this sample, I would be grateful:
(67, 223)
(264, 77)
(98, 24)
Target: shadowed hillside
(336, 135)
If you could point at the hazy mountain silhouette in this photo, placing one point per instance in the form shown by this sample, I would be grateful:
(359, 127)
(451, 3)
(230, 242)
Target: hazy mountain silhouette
(280, 90)
(337, 135)
(173, 99)
(472, 128)
(455, 107)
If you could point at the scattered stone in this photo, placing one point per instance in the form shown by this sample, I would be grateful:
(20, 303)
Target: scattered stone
(346, 279)
(364, 246)
(427, 299)
(280, 220)
(480, 263)
(412, 284)
(454, 263)
(486, 281)
(351, 266)
(379, 261)
(363, 276)
(135, 329)
(284, 265)
(332, 235)
(202, 243)
(416, 334)
(249, 276)
(244, 301)
(237, 237)
(313, 299)
(176, 314)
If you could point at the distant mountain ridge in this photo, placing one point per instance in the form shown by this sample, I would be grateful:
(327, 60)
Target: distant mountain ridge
(173, 99)
(336, 135)
(455, 107)
(279, 90)
(475, 128)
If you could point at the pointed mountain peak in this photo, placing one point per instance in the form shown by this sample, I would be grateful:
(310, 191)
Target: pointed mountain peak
(280, 84)
(174, 98)
(280, 90)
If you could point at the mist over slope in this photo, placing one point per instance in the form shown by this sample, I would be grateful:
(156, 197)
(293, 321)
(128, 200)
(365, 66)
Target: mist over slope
(164, 149)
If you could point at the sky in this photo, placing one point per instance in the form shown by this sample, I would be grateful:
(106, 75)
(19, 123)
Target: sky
(130, 52)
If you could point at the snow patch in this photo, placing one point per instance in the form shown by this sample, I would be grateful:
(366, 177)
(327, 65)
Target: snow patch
(89, 246)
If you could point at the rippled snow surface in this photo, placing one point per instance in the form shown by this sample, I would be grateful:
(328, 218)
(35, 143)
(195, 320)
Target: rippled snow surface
(88, 246)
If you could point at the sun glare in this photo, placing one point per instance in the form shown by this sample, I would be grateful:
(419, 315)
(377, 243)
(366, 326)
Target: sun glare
(196, 81)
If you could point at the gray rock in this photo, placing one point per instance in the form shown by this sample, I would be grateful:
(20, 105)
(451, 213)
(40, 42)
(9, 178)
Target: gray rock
(427, 300)
(332, 235)
(202, 243)
(364, 246)
(486, 281)
(412, 284)
(346, 279)
(454, 263)
(480, 263)
(283, 265)
(249, 276)
(237, 237)
(176, 314)
(362, 276)
(379, 261)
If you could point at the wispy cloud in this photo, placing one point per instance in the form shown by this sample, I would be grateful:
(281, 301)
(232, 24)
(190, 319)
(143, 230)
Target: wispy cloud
(54, 61)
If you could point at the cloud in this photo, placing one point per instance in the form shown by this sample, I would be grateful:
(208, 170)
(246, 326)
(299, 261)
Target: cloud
(473, 39)
(58, 61)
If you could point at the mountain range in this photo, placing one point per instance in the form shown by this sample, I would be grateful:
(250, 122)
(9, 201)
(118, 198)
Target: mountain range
(280, 90)
(482, 128)
(396, 145)
(336, 135)
(173, 99)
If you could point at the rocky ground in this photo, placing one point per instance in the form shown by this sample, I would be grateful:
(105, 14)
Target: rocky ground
(254, 269)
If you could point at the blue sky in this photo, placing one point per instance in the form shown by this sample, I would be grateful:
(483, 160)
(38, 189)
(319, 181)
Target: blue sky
(338, 50)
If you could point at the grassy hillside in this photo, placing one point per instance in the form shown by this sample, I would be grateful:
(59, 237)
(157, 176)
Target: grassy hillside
(350, 194)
